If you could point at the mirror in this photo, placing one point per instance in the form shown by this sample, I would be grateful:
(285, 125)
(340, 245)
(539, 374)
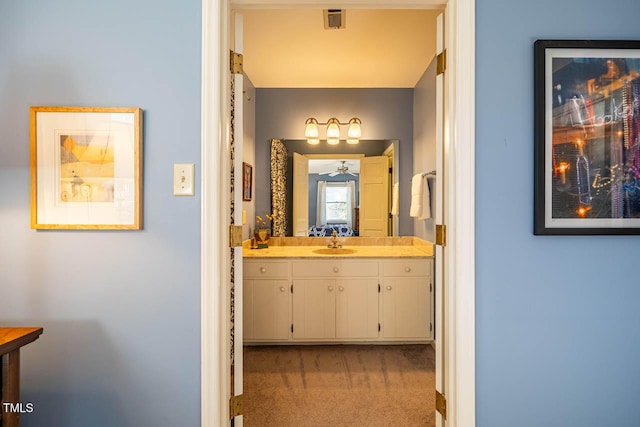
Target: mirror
(332, 180)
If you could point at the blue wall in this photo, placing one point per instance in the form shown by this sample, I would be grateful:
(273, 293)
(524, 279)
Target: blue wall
(120, 309)
(557, 320)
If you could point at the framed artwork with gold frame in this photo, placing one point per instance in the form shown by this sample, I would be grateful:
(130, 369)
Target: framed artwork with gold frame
(86, 168)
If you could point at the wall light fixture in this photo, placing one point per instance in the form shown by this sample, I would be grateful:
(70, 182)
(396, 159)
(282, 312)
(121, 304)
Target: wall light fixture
(311, 132)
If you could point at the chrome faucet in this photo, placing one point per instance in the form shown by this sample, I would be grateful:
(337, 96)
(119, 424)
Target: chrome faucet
(333, 243)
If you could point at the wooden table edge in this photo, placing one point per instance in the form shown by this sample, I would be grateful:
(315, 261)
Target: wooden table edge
(30, 335)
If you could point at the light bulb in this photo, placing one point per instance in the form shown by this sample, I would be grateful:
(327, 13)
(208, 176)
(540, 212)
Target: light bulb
(354, 131)
(311, 130)
(333, 141)
(333, 128)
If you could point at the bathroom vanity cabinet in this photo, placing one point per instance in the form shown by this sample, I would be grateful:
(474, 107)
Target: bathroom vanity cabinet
(338, 300)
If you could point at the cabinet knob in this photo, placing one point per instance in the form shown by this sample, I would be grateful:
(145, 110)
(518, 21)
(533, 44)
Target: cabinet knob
(330, 288)
(341, 288)
(282, 289)
(389, 288)
(263, 270)
(336, 269)
(407, 269)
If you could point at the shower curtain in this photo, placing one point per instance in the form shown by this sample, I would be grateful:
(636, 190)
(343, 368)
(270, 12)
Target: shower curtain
(278, 188)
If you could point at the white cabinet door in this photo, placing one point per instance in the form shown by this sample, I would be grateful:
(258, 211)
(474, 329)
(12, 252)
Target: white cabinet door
(266, 309)
(314, 309)
(406, 307)
(357, 308)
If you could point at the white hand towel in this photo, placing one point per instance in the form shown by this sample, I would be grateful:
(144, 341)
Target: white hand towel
(417, 184)
(395, 202)
(426, 200)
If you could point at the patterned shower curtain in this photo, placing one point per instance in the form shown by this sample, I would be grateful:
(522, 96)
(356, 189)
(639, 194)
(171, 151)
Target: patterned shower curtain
(278, 188)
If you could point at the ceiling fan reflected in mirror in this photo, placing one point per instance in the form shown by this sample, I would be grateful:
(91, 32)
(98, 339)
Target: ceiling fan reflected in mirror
(341, 169)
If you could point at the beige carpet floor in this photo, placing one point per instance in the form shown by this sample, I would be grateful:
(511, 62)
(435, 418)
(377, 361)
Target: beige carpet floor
(339, 385)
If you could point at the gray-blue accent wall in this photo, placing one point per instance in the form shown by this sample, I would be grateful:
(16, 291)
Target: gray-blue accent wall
(120, 309)
(557, 318)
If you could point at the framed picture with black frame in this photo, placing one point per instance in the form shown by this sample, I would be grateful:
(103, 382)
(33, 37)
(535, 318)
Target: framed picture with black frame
(247, 178)
(587, 137)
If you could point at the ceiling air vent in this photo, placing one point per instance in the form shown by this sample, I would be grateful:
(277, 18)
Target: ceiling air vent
(334, 19)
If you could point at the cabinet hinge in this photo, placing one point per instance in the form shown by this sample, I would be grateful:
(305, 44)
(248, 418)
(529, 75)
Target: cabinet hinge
(378, 327)
(378, 287)
(430, 287)
(235, 236)
(430, 327)
(235, 406)
(292, 328)
(236, 63)
(441, 64)
(441, 235)
(441, 404)
(390, 170)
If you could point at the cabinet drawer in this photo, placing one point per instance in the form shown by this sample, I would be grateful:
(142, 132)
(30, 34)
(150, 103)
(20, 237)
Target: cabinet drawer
(335, 268)
(409, 267)
(266, 269)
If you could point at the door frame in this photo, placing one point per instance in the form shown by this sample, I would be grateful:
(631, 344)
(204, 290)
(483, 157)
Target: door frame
(460, 218)
(392, 152)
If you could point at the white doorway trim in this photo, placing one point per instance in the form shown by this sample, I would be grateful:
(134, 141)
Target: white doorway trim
(213, 362)
(460, 217)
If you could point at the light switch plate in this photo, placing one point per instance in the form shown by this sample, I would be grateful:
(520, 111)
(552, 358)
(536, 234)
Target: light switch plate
(183, 179)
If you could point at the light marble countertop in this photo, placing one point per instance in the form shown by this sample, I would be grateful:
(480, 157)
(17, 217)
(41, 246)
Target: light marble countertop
(396, 251)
